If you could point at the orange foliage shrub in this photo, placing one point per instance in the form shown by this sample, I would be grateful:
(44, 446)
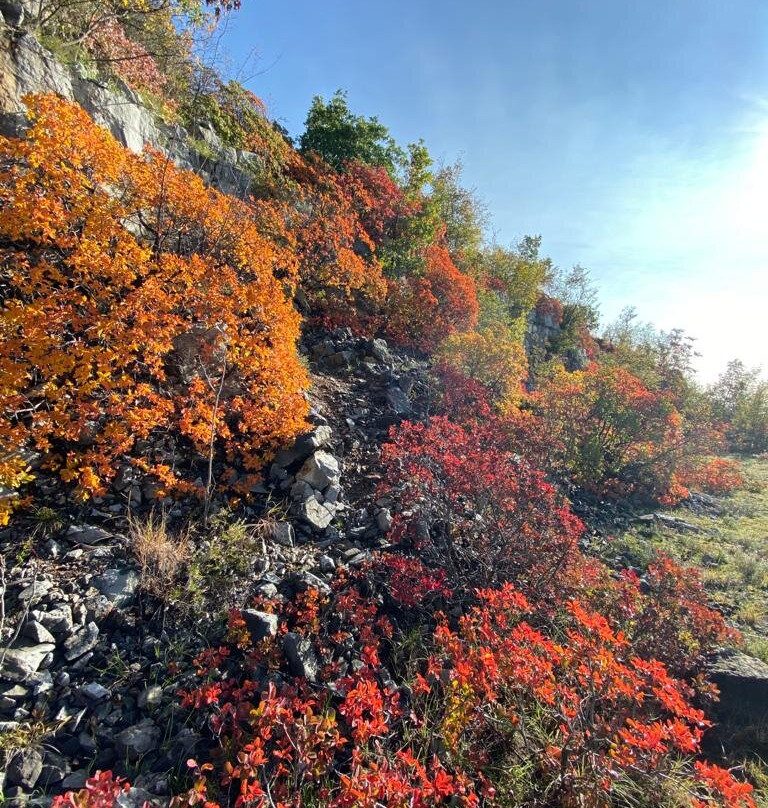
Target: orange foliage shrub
(577, 704)
(339, 271)
(719, 475)
(422, 311)
(137, 304)
(609, 432)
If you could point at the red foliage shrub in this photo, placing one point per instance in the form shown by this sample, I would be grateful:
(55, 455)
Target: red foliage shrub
(128, 60)
(463, 400)
(101, 791)
(579, 706)
(481, 512)
(411, 583)
(718, 475)
(379, 201)
(422, 311)
(547, 306)
(673, 621)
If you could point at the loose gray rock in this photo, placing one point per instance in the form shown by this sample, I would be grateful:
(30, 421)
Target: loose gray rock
(398, 401)
(138, 740)
(75, 781)
(260, 624)
(133, 798)
(37, 632)
(25, 768)
(55, 768)
(303, 580)
(21, 664)
(35, 591)
(94, 692)
(87, 534)
(320, 470)
(380, 350)
(151, 696)
(81, 642)
(302, 660)
(384, 520)
(282, 533)
(304, 446)
(118, 585)
(58, 620)
(315, 514)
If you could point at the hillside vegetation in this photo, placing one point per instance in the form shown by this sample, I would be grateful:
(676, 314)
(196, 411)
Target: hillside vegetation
(361, 461)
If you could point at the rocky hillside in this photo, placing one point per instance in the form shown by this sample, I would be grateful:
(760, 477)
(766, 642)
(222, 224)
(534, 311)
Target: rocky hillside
(308, 489)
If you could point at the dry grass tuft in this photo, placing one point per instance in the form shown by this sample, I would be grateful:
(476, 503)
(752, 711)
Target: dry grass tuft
(161, 555)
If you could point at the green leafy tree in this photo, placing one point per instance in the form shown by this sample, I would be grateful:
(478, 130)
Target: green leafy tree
(463, 214)
(335, 133)
(512, 279)
(739, 398)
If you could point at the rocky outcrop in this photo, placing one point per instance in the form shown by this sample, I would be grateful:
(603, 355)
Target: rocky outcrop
(27, 67)
(743, 684)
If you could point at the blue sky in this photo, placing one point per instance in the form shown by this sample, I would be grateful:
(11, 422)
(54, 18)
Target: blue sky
(633, 136)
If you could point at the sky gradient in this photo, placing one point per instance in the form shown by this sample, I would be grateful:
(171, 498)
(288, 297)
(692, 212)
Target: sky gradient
(632, 136)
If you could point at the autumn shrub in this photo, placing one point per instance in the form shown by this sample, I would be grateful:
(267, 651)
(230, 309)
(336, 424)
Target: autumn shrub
(609, 433)
(340, 275)
(717, 475)
(461, 398)
(502, 708)
(482, 512)
(575, 712)
(424, 310)
(673, 620)
(128, 60)
(100, 791)
(491, 357)
(140, 309)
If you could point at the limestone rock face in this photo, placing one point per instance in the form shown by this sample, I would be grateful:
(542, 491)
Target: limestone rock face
(27, 67)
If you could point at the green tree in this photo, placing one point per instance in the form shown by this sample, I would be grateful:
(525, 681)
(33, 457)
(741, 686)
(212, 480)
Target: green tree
(463, 214)
(739, 398)
(335, 133)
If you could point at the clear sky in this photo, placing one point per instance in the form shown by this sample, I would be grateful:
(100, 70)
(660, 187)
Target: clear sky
(633, 136)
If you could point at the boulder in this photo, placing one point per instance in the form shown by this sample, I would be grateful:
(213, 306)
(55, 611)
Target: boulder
(20, 664)
(260, 624)
(320, 470)
(302, 660)
(743, 684)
